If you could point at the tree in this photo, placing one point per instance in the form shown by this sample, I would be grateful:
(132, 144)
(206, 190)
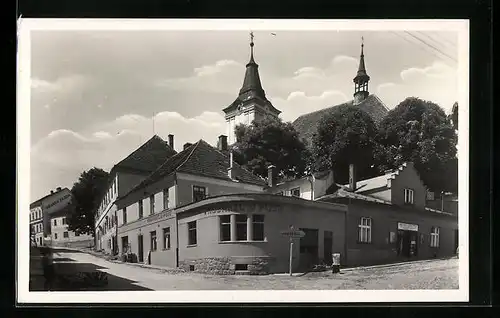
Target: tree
(345, 136)
(87, 192)
(271, 141)
(419, 131)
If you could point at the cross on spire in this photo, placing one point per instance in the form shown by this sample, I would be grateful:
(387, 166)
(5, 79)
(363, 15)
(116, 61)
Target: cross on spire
(251, 37)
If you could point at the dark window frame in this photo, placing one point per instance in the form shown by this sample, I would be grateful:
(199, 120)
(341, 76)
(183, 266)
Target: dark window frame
(225, 225)
(153, 240)
(199, 193)
(166, 238)
(255, 227)
(192, 227)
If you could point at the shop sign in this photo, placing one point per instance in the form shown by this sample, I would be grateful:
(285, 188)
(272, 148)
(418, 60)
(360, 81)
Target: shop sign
(159, 216)
(407, 227)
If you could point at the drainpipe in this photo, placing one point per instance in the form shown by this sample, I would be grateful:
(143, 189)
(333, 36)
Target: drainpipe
(176, 224)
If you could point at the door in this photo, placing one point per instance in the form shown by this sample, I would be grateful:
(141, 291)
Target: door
(309, 248)
(328, 247)
(140, 248)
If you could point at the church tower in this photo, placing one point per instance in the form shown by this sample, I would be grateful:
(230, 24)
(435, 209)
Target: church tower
(251, 103)
(361, 80)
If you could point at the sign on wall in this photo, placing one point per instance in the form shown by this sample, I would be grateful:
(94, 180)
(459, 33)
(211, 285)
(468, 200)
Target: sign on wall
(407, 227)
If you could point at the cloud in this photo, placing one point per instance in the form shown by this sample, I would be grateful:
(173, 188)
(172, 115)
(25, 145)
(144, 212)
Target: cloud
(436, 83)
(74, 152)
(60, 84)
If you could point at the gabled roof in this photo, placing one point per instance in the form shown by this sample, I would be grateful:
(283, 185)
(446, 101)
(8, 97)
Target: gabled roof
(147, 157)
(378, 182)
(200, 159)
(306, 125)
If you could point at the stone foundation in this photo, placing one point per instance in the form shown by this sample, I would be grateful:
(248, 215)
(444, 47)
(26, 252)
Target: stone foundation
(226, 265)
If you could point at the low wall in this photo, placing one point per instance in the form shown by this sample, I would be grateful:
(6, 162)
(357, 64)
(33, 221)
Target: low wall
(228, 265)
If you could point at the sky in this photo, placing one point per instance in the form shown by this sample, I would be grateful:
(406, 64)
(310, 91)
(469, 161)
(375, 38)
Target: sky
(96, 96)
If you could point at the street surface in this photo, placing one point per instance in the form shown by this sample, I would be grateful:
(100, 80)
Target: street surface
(436, 274)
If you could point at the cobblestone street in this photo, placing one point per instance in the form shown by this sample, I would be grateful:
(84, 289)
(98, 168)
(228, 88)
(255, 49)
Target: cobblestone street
(435, 274)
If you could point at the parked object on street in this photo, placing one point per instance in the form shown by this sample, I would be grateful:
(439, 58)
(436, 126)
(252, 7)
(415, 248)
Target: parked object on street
(335, 262)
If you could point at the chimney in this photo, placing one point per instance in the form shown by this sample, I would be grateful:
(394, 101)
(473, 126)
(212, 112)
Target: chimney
(171, 141)
(51, 191)
(187, 145)
(231, 171)
(58, 189)
(222, 144)
(271, 176)
(352, 177)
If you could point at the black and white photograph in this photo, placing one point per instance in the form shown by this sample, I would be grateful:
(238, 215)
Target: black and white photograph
(242, 160)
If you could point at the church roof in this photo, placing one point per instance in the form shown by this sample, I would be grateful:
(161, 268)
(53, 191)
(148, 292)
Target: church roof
(200, 159)
(147, 157)
(306, 125)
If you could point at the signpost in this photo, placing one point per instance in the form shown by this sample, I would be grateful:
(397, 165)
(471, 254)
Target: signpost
(292, 233)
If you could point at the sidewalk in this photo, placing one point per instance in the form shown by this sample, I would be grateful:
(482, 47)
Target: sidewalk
(349, 269)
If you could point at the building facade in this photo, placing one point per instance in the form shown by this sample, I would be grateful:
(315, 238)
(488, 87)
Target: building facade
(387, 219)
(36, 224)
(124, 176)
(62, 236)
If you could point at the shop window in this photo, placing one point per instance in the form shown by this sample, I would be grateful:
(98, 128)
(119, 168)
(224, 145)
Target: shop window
(295, 192)
(199, 193)
(434, 237)
(241, 227)
(152, 204)
(153, 241)
(141, 211)
(258, 227)
(65, 234)
(166, 238)
(408, 196)
(165, 199)
(192, 237)
(365, 230)
(124, 212)
(225, 228)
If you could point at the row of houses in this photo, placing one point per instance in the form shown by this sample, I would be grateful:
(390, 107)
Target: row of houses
(199, 210)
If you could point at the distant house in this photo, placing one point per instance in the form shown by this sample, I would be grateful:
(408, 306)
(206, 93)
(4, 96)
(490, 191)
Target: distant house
(387, 219)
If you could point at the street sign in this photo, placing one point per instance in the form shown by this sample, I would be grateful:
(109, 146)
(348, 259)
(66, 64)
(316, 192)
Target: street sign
(293, 233)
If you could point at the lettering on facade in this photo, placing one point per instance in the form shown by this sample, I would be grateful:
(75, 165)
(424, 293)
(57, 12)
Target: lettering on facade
(244, 208)
(407, 227)
(48, 206)
(159, 216)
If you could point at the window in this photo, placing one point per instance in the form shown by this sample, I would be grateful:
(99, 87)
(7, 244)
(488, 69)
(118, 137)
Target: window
(153, 241)
(65, 234)
(55, 222)
(240, 267)
(141, 211)
(166, 238)
(192, 233)
(408, 196)
(434, 237)
(165, 199)
(64, 221)
(55, 236)
(365, 230)
(241, 227)
(225, 228)
(258, 227)
(124, 212)
(152, 204)
(295, 192)
(199, 193)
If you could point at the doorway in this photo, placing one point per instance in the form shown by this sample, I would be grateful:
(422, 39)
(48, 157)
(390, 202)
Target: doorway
(309, 249)
(328, 247)
(140, 249)
(407, 243)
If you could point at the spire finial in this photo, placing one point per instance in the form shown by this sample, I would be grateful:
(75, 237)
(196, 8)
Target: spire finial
(362, 45)
(251, 47)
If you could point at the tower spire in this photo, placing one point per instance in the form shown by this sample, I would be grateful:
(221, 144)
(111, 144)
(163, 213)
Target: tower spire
(251, 82)
(361, 80)
(251, 47)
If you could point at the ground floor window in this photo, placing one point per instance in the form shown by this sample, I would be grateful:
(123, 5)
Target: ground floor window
(225, 228)
(241, 227)
(258, 227)
(166, 238)
(124, 244)
(55, 236)
(153, 240)
(365, 230)
(65, 234)
(192, 237)
(435, 237)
